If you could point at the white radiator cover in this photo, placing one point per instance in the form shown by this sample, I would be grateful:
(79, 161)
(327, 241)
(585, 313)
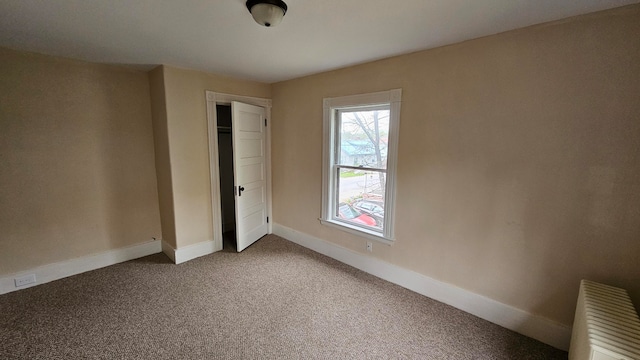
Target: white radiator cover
(606, 325)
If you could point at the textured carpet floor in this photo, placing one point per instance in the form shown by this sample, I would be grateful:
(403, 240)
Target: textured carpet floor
(275, 300)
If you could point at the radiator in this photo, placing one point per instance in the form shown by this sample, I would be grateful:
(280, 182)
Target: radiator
(606, 325)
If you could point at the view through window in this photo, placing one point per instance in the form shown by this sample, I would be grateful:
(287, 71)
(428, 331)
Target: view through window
(361, 148)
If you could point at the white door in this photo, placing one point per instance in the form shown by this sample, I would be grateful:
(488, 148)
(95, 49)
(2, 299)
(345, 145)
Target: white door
(249, 171)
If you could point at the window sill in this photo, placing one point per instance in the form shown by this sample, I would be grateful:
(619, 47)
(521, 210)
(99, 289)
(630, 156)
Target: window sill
(372, 235)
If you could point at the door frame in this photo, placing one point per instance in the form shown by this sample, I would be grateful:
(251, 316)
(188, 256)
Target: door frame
(213, 99)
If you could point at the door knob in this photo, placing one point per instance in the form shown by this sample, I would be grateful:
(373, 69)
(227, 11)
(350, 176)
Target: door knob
(240, 190)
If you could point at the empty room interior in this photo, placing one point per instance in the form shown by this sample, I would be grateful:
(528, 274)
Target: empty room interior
(329, 179)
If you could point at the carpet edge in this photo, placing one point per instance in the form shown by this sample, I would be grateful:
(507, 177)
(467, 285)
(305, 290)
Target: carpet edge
(55, 271)
(528, 324)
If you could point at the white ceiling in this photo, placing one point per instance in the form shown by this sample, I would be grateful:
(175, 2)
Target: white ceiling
(220, 36)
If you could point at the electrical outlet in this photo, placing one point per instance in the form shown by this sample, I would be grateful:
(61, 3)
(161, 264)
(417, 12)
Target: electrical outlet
(369, 246)
(25, 280)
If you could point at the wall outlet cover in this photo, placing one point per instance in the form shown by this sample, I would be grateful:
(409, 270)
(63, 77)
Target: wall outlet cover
(25, 280)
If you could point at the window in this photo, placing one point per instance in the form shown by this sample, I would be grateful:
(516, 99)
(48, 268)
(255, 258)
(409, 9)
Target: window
(360, 146)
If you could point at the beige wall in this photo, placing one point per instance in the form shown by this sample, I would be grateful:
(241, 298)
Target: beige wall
(162, 158)
(189, 148)
(519, 162)
(76, 147)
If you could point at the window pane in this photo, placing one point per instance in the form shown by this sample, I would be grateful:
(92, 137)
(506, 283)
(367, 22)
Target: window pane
(361, 197)
(364, 135)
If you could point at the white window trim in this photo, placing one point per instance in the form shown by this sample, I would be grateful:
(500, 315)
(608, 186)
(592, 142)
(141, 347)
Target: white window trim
(394, 99)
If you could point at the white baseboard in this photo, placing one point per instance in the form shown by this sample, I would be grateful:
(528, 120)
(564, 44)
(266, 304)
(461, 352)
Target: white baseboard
(169, 251)
(59, 270)
(534, 326)
(190, 252)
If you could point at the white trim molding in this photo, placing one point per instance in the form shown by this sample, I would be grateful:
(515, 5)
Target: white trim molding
(531, 325)
(189, 252)
(169, 251)
(55, 271)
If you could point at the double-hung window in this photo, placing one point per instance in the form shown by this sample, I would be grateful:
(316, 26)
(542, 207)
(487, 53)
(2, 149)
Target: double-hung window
(360, 151)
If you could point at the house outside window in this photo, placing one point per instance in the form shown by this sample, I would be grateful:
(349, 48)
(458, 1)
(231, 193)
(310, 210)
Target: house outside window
(359, 163)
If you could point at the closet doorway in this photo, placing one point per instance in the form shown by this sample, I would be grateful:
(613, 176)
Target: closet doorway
(239, 142)
(225, 163)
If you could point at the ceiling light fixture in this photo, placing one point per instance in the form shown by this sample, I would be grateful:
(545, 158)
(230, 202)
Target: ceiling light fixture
(267, 12)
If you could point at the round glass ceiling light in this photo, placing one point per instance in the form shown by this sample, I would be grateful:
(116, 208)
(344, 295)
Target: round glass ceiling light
(267, 12)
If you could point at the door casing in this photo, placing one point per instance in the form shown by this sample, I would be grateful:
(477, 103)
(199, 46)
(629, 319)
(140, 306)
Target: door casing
(213, 99)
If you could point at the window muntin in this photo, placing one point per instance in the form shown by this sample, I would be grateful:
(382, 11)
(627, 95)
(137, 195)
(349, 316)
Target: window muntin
(359, 163)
